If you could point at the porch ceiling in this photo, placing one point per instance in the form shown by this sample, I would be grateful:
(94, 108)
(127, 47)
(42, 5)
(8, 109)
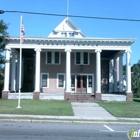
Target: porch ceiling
(108, 53)
(28, 53)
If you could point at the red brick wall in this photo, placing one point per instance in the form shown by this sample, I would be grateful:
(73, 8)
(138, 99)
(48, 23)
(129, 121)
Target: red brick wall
(54, 69)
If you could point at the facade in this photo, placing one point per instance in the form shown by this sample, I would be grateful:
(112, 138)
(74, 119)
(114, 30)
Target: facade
(67, 63)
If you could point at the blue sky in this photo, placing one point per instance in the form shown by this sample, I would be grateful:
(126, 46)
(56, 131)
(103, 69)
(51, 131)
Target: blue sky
(41, 26)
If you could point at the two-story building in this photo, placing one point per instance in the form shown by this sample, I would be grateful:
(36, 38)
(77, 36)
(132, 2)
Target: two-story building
(69, 64)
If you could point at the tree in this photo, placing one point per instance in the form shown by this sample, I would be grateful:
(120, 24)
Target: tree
(136, 79)
(3, 42)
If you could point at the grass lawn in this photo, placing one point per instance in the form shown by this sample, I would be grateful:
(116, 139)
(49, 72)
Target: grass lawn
(122, 109)
(37, 107)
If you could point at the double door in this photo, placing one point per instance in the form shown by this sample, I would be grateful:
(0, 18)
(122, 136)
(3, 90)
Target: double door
(82, 83)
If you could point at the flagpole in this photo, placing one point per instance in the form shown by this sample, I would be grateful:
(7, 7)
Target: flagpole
(67, 11)
(67, 8)
(20, 64)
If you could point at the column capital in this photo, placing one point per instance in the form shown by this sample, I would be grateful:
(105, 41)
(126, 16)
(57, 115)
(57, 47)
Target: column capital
(120, 56)
(8, 48)
(37, 49)
(128, 51)
(67, 50)
(98, 50)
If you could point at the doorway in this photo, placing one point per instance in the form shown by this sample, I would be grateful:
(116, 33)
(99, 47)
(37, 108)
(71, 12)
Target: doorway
(81, 84)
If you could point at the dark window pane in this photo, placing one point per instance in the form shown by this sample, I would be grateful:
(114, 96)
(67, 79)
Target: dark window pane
(49, 57)
(89, 81)
(57, 57)
(84, 81)
(85, 58)
(61, 81)
(73, 81)
(78, 56)
(44, 80)
(78, 81)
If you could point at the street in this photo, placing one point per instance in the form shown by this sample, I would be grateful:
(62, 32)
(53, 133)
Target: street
(63, 131)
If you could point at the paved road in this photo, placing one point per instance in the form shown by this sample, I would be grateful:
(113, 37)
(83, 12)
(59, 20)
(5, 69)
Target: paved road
(61, 131)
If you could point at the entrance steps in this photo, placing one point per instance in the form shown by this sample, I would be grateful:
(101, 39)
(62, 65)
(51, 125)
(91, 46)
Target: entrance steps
(80, 97)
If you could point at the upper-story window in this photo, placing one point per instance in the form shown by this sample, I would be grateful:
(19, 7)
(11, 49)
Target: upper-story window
(71, 34)
(63, 34)
(53, 57)
(82, 58)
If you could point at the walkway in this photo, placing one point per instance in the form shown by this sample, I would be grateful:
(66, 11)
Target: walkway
(91, 110)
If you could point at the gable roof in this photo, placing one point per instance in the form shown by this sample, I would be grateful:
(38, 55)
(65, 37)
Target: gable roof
(66, 26)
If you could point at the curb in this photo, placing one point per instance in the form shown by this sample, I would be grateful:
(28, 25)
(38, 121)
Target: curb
(63, 121)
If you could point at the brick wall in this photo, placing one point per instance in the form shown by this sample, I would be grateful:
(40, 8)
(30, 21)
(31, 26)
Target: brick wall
(75, 69)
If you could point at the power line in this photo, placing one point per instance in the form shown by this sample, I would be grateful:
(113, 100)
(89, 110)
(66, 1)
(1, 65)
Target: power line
(75, 16)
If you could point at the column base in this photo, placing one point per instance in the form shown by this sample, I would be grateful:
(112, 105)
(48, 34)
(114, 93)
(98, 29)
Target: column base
(98, 96)
(129, 96)
(36, 95)
(67, 96)
(5, 95)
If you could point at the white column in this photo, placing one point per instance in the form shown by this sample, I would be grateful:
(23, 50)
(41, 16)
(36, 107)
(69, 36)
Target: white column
(120, 74)
(13, 80)
(128, 72)
(37, 70)
(7, 70)
(115, 74)
(17, 73)
(98, 71)
(68, 70)
(111, 80)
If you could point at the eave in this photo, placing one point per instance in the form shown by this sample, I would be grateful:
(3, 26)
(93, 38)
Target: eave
(81, 40)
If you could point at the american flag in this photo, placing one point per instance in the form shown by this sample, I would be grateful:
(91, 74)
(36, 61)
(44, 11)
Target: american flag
(22, 32)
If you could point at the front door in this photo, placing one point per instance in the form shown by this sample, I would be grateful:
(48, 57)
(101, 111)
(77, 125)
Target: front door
(81, 84)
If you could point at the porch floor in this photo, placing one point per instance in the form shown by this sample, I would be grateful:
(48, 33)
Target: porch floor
(60, 96)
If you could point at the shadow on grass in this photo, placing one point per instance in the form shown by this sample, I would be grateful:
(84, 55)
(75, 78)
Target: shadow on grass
(136, 100)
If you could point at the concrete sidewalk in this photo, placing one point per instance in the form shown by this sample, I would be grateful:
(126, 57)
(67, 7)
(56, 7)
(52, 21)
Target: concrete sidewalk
(91, 111)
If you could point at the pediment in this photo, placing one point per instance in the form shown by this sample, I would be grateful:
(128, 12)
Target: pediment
(66, 26)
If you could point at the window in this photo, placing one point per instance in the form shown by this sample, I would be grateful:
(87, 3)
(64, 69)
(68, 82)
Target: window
(63, 34)
(78, 57)
(56, 57)
(61, 80)
(85, 58)
(82, 58)
(71, 34)
(73, 83)
(49, 57)
(53, 57)
(44, 80)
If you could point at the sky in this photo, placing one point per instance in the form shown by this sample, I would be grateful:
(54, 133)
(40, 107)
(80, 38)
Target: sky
(41, 26)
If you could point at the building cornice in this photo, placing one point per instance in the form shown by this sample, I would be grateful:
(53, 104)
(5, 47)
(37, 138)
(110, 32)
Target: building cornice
(80, 40)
